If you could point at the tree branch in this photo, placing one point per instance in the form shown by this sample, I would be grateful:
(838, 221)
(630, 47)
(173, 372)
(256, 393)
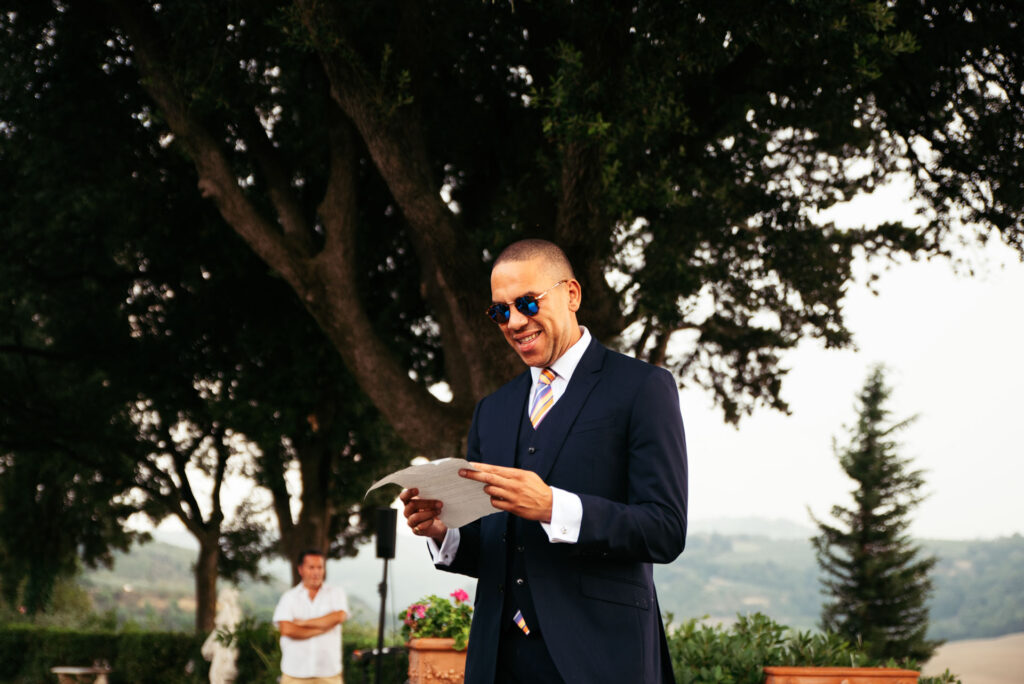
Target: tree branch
(394, 139)
(271, 167)
(421, 419)
(216, 179)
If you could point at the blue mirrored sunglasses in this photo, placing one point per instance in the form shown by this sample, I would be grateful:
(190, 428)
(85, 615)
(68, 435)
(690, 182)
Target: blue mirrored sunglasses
(528, 305)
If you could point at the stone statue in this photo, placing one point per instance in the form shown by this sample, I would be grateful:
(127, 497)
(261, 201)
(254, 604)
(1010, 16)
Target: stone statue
(223, 658)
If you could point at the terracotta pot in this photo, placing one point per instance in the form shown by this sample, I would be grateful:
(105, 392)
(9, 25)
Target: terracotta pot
(839, 675)
(435, 661)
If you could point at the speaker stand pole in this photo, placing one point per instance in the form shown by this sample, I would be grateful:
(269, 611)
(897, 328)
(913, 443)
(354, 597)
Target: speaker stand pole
(382, 589)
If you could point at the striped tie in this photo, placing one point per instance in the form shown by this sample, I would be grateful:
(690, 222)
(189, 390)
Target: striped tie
(521, 622)
(545, 397)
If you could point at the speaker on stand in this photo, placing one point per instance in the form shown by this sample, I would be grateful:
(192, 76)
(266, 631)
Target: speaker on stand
(386, 519)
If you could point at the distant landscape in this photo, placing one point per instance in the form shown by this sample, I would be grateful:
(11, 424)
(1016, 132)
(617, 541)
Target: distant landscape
(770, 568)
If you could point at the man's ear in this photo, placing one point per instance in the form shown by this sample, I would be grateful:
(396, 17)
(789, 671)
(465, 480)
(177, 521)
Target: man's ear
(575, 295)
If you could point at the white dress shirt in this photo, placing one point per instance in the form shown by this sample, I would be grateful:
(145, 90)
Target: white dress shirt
(566, 507)
(320, 655)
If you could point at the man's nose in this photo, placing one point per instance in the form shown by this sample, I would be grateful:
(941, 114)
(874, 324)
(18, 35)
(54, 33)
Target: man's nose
(516, 319)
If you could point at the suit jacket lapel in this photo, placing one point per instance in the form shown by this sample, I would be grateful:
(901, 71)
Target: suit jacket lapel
(507, 432)
(563, 414)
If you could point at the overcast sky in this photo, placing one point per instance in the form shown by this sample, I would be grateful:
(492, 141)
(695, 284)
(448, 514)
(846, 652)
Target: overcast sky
(952, 345)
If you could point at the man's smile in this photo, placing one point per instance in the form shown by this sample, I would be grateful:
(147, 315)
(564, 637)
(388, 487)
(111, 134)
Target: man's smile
(528, 338)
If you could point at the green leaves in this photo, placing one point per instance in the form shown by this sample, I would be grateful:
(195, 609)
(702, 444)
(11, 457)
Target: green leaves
(736, 654)
(433, 616)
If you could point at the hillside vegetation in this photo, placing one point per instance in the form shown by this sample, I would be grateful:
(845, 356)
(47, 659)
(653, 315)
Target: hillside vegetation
(979, 589)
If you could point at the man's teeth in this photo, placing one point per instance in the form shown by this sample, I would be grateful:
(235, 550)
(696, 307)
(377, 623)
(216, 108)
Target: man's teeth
(528, 338)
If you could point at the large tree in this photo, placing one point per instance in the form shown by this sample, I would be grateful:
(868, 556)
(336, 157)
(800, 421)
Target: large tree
(877, 582)
(684, 147)
(375, 157)
(678, 151)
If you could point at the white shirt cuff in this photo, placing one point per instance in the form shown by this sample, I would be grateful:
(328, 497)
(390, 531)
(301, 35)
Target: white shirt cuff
(566, 517)
(445, 554)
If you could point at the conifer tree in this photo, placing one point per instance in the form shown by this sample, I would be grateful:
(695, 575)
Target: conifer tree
(876, 578)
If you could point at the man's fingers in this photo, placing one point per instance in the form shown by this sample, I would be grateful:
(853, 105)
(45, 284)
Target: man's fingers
(477, 469)
(423, 509)
(498, 492)
(493, 478)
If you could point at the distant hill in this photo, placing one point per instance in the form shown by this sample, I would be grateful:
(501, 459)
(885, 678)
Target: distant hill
(776, 528)
(979, 587)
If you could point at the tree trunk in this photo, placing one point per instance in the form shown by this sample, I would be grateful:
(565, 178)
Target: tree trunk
(311, 530)
(206, 582)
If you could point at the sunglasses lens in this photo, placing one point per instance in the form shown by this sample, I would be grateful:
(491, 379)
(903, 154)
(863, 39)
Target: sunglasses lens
(498, 313)
(527, 305)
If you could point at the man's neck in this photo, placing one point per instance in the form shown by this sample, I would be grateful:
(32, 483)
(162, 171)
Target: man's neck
(313, 591)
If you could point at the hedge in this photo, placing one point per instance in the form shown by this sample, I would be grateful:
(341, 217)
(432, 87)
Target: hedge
(700, 654)
(28, 652)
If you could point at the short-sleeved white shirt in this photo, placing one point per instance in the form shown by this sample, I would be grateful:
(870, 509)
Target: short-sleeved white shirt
(318, 656)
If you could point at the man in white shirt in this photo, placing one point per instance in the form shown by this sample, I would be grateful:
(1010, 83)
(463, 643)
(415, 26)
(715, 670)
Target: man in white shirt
(309, 617)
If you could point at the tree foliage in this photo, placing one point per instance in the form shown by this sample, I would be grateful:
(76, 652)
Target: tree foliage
(144, 354)
(877, 582)
(376, 156)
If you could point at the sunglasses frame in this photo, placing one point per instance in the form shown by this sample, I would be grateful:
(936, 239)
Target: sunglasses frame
(523, 305)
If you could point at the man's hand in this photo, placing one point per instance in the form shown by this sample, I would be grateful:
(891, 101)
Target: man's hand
(520, 492)
(422, 515)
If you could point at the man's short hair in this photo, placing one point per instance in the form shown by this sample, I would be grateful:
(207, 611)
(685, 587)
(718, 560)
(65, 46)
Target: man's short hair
(308, 552)
(527, 250)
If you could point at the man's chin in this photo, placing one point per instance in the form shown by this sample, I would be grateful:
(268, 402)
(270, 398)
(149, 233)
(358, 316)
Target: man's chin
(532, 360)
(533, 356)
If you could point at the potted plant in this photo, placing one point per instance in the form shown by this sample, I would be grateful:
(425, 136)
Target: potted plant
(437, 632)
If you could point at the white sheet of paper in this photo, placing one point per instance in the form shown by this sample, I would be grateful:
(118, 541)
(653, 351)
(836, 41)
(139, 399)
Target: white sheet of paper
(464, 500)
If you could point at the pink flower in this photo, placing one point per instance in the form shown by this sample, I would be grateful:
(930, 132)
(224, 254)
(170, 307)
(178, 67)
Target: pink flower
(416, 610)
(460, 596)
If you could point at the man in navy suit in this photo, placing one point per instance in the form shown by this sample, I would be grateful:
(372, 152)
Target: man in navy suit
(584, 459)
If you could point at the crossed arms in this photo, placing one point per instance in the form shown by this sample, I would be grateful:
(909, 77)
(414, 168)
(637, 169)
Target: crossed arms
(304, 629)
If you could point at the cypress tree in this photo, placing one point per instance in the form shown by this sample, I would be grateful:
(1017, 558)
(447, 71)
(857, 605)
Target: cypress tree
(876, 578)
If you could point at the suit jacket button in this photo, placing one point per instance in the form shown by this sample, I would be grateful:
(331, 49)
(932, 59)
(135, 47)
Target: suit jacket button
(520, 548)
(532, 450)
(520, 581)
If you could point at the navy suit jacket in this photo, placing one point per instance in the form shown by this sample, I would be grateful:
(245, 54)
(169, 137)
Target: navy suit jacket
(617, 442)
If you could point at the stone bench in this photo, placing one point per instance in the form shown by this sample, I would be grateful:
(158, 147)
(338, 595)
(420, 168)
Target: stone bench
(81, 675)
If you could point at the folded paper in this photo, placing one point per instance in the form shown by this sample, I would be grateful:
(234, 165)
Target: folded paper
(464, 500)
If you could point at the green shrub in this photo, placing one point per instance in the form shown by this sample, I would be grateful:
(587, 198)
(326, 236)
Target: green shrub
(259, 651)
(27, 652)
(177, 655)
(703, 654)
(14, 649)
